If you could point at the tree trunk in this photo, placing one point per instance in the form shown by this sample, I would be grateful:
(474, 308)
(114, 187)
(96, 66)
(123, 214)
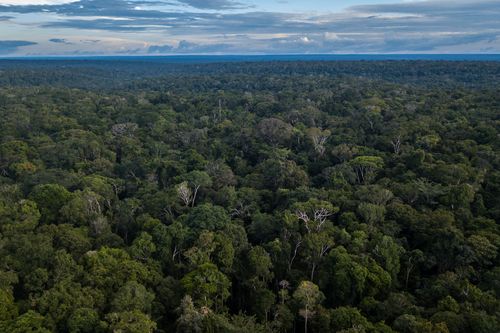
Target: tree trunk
(194, 195)
(312, 271)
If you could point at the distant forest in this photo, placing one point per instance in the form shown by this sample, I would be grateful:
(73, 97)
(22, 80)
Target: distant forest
(247, 197)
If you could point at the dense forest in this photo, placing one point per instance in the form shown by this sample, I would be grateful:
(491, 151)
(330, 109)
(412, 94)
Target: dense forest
(359, 197)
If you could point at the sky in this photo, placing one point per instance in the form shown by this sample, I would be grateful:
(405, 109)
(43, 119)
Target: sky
(162, 27)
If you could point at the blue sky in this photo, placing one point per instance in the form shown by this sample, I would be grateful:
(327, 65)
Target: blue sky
(149, 27)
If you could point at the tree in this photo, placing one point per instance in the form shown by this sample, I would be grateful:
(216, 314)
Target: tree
(130, 322)
(366, 167)
(371, 213)
(190, 318)
(283, 319)
(348, 278)
(207, 217)
(387, 253)
(316, 246)
(86, 320)
(484, 252)
(8, 309)
(109, 269)
(262, 301)
(319, 138)
(18, 217)
(132, 296)
(344, 152)
(314, 214)
(281, 173)
(309, 297)
(195, 180)
(122, 134)
(221, 174)
(214, 248)
(50, 198)
(260, 266)
(207, 286)
(30, 321)
(58, 303)
(185, 193)
(142, 247)
(107, 188)
(345, 318)
(396, 144)
(11, 154)
(85, 207)
(274, 131)
(375, 194)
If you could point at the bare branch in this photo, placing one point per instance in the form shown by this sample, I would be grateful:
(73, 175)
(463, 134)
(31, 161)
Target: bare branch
(301, 215)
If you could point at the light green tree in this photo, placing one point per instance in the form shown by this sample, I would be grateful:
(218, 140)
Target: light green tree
(309, 297)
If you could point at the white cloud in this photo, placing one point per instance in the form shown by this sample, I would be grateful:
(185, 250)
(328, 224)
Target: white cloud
(331, 36)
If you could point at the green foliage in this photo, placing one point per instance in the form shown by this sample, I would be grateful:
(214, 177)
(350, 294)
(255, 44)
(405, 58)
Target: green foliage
(85, 320)
(344, 318)
(130, 322)
(309, 297)
(207, 285)
(22, 216)
(143, 247)
(190, 318)
(260, 265)
(249, 197)
(366, 167)
(58, 303)
(27, 322)
(109, 269)
(8, 309)
(50, 198)
(132, 296)
(371, 213)
(207, 217)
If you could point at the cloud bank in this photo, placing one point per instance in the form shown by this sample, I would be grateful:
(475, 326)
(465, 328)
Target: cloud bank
(226, 26)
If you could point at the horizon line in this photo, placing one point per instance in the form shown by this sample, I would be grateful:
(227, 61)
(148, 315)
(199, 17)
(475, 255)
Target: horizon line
(15, 57)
